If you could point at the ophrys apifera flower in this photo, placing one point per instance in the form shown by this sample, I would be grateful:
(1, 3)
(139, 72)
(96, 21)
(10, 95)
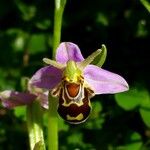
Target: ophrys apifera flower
(74, 80)
(11, 99)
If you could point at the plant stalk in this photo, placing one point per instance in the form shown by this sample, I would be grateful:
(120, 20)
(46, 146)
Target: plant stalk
(34, 124)
(53, 102)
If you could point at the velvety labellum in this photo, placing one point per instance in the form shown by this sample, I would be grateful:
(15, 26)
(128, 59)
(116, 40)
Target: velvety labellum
(74, 102)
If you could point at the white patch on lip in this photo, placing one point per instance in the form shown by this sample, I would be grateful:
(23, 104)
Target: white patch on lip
(78, 100)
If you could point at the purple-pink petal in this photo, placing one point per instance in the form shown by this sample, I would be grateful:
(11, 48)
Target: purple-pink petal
(68, 51)
(47, 77)
(43, 98)
(11, 99)
(104, 82)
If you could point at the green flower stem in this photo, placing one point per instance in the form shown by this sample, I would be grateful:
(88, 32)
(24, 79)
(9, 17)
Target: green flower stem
(34, 124)
(52, 124)
(52, 113)
(58, 14)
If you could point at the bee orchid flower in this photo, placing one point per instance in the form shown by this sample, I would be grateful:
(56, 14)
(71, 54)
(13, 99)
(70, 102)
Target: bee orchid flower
(74, 80)
(11, 99)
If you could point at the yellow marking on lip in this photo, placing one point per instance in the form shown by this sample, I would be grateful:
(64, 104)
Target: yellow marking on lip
(68, 104)
(79, 117)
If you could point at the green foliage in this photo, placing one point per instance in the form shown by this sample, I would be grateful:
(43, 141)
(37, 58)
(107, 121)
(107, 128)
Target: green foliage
(96, 119)
(130, 99)
(134, 142)
(37, 43)
(145, 114)
(20, 112)
(136, 98)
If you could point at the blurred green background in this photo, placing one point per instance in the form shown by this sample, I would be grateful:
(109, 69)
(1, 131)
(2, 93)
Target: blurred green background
(117, 122)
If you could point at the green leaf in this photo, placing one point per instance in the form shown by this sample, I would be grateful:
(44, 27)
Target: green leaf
(20, 112)
(43, 24)
(130, 99)
(100, 59)
(146, 4)
(145, 114)
(75, 138)
(145, 111)
(135, 142)
(145, 108)
(145, 101)
(62, 125)
(37, 43)
(27, 11)
(96, 119)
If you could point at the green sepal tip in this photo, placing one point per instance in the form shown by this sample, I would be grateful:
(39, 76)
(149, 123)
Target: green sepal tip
(100, 59)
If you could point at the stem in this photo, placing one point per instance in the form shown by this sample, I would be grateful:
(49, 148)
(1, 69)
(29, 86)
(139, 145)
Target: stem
(34, 124)
(58, 14)
(52, 124)
(52, 113)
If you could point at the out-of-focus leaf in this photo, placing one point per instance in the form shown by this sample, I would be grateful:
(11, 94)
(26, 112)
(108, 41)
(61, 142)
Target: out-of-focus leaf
(37, 43)
(7, 78)
(135, 142)
(100, 59)
(145, 108)
(146, 4)
(18, 39)
(75, 138)
(20, 112)
(145, 101)
(27, 11)
(145, 114)
(130, 99)
(44, 24)
(102, 19)
(141, 29)
(95, 120)
(62, 126)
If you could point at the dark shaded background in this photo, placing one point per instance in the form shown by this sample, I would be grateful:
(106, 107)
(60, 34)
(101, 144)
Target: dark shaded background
(26, 28)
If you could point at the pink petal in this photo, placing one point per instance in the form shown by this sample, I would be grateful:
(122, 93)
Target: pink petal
(11, 99)
(68, 51)
(104, 82)
(47, 77)
(43, 98)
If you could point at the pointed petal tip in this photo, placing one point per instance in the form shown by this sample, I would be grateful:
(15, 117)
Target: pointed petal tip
(103, 81)
(53, 63)
(126, 86)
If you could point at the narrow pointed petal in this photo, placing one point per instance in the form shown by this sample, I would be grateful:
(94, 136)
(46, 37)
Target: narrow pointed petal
(53, 63)
(47, 77)
(89, 59)
(104, 82)
(68, 51)
(11, 99)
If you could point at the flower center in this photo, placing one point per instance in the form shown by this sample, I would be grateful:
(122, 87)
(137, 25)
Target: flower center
(72, 73)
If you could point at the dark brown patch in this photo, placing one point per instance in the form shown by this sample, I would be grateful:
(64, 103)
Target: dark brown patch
(74, 110)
